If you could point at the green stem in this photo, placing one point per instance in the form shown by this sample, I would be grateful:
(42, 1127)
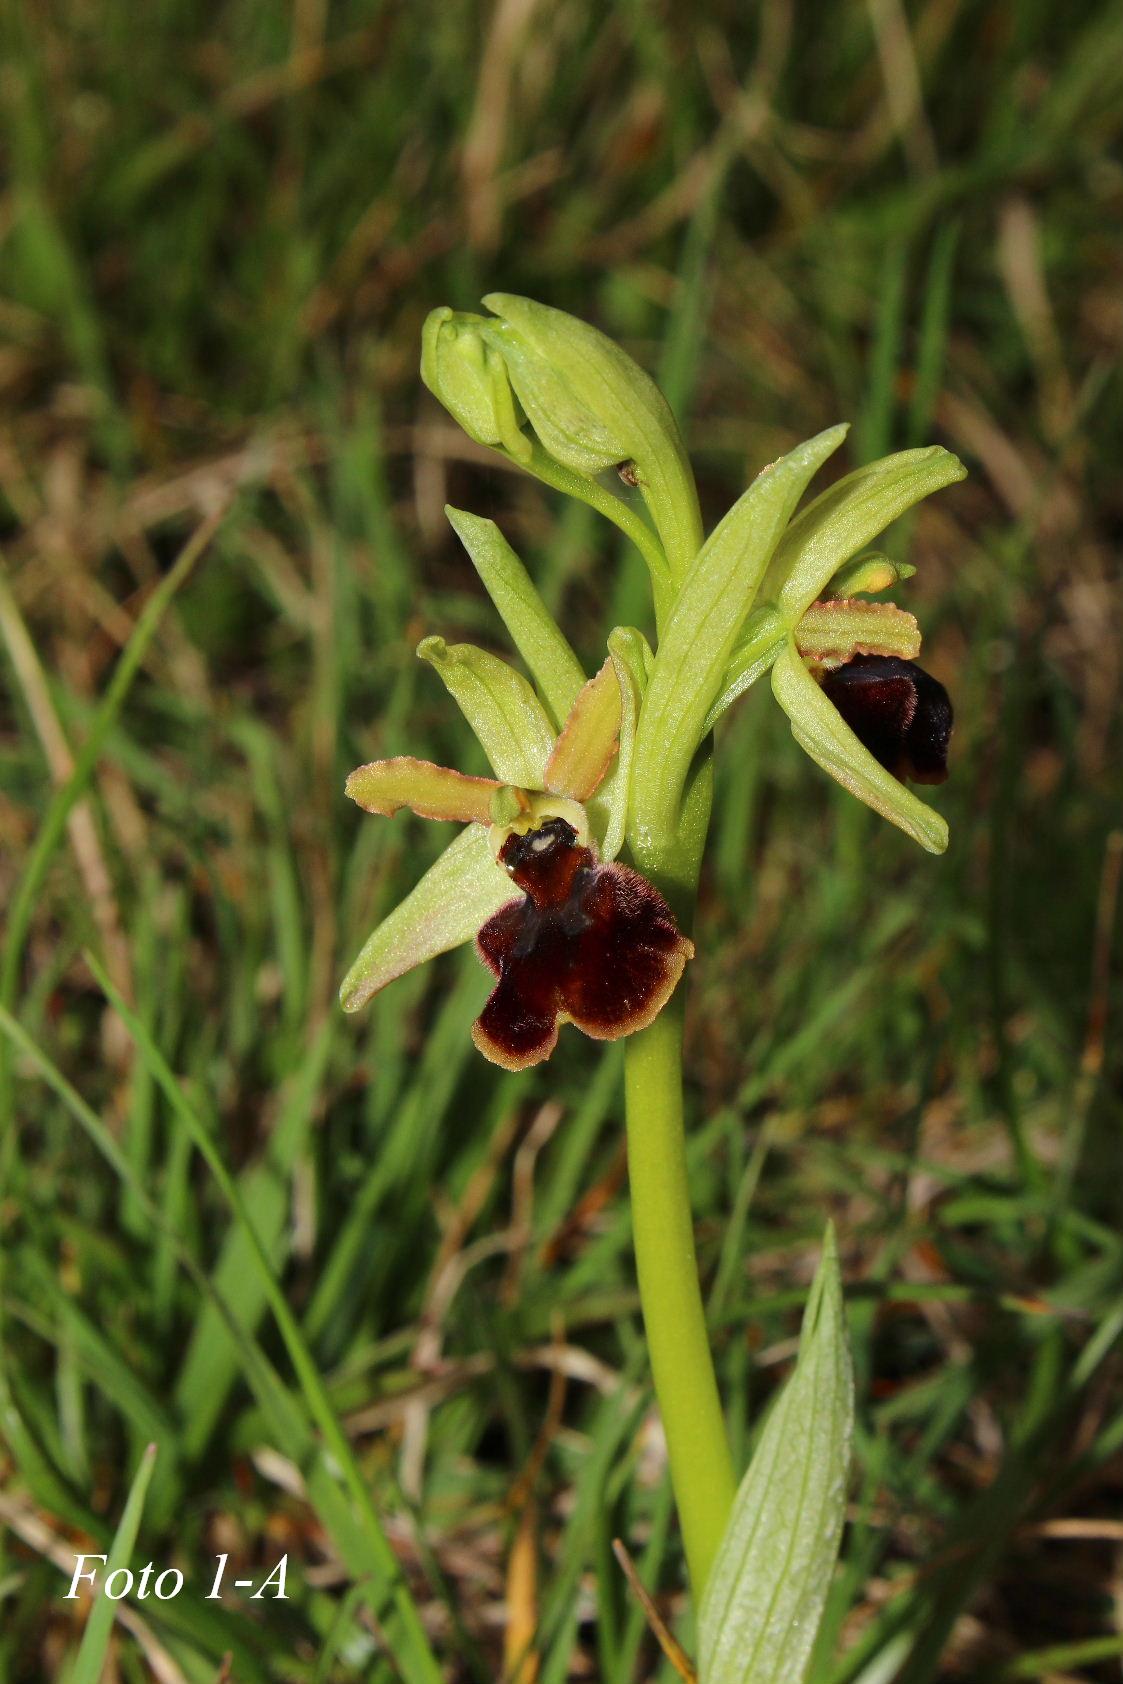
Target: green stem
(673, 1314)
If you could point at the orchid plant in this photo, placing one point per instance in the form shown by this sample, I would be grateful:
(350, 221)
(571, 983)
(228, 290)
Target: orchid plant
(587, 770)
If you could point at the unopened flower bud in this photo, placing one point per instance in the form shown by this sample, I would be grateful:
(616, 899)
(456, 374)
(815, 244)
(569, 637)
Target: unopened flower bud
(469, 377)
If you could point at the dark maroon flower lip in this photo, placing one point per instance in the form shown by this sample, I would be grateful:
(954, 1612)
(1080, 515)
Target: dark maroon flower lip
(898, 711)
(589, 944)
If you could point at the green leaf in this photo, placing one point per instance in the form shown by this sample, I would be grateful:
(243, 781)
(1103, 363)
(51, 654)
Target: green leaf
(821, 732)
(704, 628)
(846, 517)
(500, 706)
(460, 890)
(534, 632)
(767, 1589)
(99, 1626)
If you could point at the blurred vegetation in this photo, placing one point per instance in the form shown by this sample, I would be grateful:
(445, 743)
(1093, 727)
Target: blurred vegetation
(220, 233)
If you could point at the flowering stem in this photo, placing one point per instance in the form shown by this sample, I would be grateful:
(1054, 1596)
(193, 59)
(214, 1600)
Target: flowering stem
(674, 1319)
(662, 1224)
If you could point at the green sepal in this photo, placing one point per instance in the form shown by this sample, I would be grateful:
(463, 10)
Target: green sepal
(705, 626)
(594, 408)
(768, 1586)
(868, 574)
(844, 518)
(456, 896)
(508, 719)
(821, 732)
(534, 632)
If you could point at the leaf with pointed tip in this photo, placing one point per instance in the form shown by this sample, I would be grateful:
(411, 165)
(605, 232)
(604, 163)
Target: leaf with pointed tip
(500, 706)
(583, 752)
(456, 896)
(767, 1589)
(821, 732)
(846, 517)
(432, 792)
(704, 627)
(553, 666)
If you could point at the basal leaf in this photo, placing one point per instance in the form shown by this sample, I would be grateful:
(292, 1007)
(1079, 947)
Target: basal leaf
(768, 1586)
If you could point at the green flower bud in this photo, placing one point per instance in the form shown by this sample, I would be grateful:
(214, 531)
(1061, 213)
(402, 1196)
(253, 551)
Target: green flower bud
(470, 378)
(593, 408)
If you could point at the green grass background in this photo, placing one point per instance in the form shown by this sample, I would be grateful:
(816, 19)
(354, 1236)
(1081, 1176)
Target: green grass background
(221, 229)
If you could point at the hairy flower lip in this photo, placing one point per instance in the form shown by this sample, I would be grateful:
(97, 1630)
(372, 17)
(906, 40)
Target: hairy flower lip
(898, 711)
(589, 944)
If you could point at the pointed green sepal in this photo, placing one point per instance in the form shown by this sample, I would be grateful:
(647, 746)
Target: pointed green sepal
(821, 732)
(705, 627)
(845, 518)
(508, 719)
(456, 896)
(767, 1590)
(534, 632)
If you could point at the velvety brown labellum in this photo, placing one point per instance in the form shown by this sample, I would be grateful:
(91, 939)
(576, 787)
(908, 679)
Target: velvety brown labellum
(900, 712)
(590, 944)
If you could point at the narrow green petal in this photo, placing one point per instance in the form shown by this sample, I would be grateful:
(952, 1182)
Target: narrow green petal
(500, 706)
(534, 632)
(821, 732)
(632, 659)
(704, 629)
(584, 750)
(845, 518)
(834, 632)
(458, 893)
(432, 792)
